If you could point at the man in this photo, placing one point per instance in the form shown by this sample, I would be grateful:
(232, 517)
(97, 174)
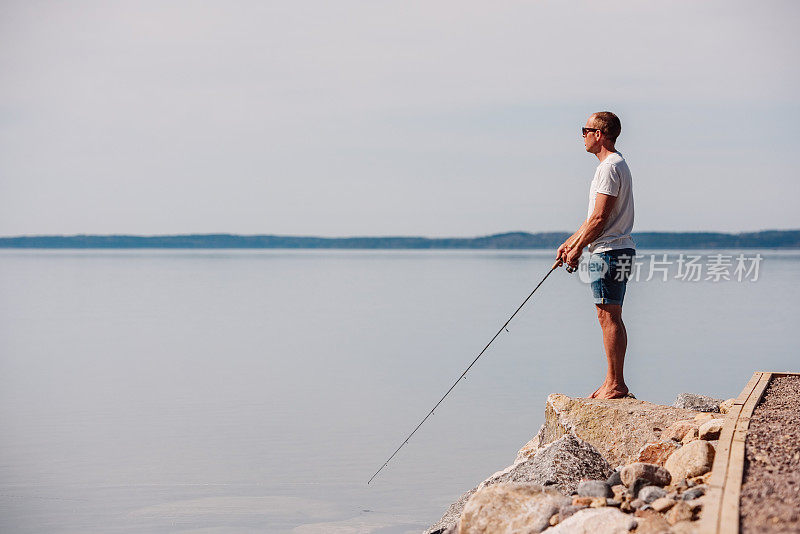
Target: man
(606, 234)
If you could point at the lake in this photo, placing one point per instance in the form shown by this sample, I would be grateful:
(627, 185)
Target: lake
(259, 390)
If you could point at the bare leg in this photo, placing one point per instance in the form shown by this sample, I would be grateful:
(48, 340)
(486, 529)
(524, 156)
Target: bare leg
(615, 342)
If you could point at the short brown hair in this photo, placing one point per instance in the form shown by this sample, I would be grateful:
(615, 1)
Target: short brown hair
(608, 123)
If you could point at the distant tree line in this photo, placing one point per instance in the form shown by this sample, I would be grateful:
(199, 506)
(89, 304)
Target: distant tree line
(511, 240)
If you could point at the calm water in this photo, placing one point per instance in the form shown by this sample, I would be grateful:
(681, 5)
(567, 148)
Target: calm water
(257, 391)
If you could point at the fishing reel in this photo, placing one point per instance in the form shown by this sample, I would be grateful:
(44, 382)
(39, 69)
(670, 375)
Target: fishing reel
(567, 266)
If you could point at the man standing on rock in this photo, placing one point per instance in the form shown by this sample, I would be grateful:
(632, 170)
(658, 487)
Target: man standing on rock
(606, 234)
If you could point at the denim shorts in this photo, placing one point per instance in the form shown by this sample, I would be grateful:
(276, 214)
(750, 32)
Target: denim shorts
(609, 272)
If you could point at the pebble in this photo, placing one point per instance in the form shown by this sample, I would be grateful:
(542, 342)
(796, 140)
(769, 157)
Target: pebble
(702, 479)
(693, 493)
(650, 493)
(690, 436)
(594, 488)
(598, 502)
(614, 479)
(663, 504)
(592, 502)
(711, 429)
(658, 452)
(696, 504)
(678, 429)
(691, 460)
(652, 473)
(725, 406)
(681, 511)
(693, 401)
(638, 484)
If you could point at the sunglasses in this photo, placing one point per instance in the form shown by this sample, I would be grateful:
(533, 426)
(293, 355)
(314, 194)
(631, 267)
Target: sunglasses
(584, 131)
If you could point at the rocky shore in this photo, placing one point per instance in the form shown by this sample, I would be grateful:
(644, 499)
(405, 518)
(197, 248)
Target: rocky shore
(601, 466)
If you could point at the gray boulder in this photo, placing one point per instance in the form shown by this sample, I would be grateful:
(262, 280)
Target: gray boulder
(699, 403)
(561, 466)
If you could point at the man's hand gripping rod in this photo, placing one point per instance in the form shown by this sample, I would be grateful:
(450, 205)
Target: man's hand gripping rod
(568, 267)
(557, 264)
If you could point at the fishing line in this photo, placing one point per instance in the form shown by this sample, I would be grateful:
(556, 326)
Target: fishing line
(463, 375)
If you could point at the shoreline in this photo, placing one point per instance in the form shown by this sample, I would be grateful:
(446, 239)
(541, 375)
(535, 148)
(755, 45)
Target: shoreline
(779, 239)
(624, 465)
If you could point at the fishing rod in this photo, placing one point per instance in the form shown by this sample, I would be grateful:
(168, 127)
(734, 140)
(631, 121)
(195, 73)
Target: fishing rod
(558, 263)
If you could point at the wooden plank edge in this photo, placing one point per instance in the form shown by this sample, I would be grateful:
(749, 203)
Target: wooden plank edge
(755, 397)
(748, 388)
(719, 471)
(732, 486)
(722, 452)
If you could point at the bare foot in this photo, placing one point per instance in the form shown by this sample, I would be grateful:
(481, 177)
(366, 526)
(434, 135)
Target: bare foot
(594, 395)
(611, 392)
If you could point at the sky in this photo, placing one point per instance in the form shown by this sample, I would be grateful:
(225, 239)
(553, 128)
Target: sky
(392, 118)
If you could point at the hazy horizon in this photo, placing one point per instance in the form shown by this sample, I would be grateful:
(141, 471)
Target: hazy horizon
(365, 235)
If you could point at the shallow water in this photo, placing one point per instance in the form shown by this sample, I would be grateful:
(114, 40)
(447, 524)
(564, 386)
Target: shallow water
(252, 391)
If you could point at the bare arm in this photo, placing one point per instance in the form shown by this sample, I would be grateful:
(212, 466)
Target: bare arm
(591, 229)
(596, 223)
(571, 241)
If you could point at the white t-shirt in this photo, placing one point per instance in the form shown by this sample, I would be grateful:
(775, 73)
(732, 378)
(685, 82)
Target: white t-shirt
(613, 177)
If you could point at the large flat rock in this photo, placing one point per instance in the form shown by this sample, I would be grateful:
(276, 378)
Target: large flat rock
(510, 508)
(616, 428)
(595, 521)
